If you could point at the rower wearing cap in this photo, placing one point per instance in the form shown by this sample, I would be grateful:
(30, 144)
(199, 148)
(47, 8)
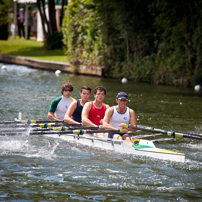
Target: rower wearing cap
(119, 116)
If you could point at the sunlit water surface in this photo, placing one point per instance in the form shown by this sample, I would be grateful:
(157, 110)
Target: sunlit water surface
(36, 168)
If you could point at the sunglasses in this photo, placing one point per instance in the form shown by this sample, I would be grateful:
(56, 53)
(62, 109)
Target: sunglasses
(67, 90)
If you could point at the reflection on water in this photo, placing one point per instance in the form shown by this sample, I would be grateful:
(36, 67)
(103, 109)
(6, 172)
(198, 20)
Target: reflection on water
(36, 168)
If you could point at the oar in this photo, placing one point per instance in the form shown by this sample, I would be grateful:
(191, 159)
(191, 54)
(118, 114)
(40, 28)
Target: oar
(49, 125)
(45, 121)
(29, 121)
(48, 128)
(42, 125)
(8, 122)
(20, 125)
(18, 130)
(64, 128)
(17, 125)
(37, 121)
(168, 132)
(78, 132)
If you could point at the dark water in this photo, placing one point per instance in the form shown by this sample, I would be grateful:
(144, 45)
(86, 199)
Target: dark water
(43, 169)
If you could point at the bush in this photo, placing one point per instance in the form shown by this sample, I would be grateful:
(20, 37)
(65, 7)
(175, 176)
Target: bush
(4, 34)
(53, 41)
(157, 42)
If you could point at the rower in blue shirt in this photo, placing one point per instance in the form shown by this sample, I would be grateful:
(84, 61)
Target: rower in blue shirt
(73, 114)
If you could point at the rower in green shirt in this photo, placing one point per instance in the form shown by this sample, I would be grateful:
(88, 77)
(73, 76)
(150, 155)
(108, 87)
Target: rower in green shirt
(60, 105)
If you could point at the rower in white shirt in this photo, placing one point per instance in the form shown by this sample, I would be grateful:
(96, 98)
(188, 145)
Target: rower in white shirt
(119, 116)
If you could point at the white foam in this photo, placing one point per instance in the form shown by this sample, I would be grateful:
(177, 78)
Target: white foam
(13, 145)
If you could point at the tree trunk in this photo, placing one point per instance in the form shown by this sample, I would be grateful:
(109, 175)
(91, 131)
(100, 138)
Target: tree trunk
(48, 26)
(64, 2)
(52, 16)
(44, 21)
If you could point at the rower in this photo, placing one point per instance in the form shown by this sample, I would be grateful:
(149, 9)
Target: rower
(60, 105)
(94, 111)
(119, 116)
(73, 114)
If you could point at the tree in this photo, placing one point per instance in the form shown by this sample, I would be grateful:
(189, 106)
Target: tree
(4, 20)
(53, 38)
(149, 41)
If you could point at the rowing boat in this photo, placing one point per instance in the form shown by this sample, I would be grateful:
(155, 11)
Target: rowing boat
(141, 147)
(80, 135)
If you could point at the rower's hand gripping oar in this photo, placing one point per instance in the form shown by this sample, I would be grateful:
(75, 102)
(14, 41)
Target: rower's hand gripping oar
(167, 132)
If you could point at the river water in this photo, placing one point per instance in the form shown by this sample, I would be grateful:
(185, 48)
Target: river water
(36, 168)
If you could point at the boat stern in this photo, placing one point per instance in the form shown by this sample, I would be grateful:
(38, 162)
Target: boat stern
(147, 148)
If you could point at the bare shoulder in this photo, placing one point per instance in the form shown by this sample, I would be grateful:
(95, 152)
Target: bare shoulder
(109, 110)
(132, 112)
(87, 106)
(71, 109)
(133, 121)
(108, 114)
(73, 104)
(107, 106)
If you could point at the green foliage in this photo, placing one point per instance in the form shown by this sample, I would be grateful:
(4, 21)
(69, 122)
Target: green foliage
(53, 41)
(151, 41)
(4, 20)
(81, 28)
(4, 32)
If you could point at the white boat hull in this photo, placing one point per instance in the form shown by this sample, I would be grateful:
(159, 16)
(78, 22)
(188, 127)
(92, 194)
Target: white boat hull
(145, 147)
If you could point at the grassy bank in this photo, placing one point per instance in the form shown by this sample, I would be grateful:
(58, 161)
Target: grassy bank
(30, 48)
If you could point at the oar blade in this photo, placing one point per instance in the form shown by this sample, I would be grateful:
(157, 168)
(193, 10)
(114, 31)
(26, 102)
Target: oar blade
(189, 135)
(170, 133)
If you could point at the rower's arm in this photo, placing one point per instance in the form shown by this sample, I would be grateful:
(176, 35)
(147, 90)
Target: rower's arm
(106, 120)
(133, 121)
(85, 115)
(69, 113)
(107, 106)
(51, 116)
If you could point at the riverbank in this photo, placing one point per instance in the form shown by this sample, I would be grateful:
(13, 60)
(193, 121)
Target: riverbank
(31, 53)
